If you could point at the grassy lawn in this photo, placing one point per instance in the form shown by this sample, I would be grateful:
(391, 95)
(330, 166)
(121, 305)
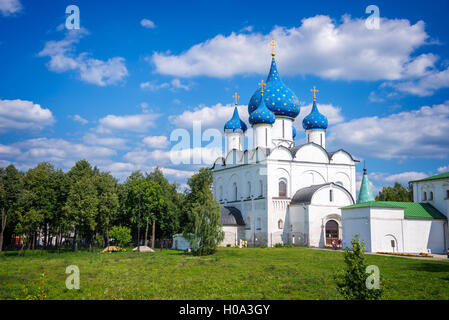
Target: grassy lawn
(250, 273)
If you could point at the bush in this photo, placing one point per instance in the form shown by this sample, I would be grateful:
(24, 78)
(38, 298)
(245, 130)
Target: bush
(122, 235)
(352, 282)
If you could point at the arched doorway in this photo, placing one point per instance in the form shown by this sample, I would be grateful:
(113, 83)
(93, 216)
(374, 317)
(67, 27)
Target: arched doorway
(331, 230)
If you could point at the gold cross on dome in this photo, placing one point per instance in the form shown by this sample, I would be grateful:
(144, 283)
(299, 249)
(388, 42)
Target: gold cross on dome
(273, 47)
(314, 90)
(262, 84)
(236, 98)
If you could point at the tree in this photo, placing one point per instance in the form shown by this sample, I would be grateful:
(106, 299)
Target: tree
(122, 235)
(148, 194)
(395, 193)
(204, 214)
(108, 204)
(10, 190)
(82, 208)
(40, 181)
(352, 282)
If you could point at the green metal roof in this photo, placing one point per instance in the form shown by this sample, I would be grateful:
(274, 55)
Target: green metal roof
(438, 176)
(412, 210)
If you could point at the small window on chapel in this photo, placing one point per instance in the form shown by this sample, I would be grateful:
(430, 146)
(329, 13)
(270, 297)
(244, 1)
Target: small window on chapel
(431, 196)
(425, 196)
(280, 224)
(447, 194)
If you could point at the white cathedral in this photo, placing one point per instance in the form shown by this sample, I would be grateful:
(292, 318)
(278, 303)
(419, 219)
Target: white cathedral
(279, 192)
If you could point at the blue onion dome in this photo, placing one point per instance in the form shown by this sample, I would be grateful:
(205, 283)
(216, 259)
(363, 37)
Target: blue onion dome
(262, 115)
(235, 124)
(314, 120)
(294, 132)
(278, 98)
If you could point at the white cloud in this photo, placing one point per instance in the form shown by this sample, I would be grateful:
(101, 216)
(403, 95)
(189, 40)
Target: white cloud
(92, 139)
(443, 169)
(63, 58)
(8, 151)
(403, 177)
(8, 7)
(319, 46)
(332, 113)
(158, 142)
(60, 152)
(23, 115)
(135, 123)
(79, 119)
(210, 117)
(172, 85)
(424, 86)
(146, 23)
(418, 133)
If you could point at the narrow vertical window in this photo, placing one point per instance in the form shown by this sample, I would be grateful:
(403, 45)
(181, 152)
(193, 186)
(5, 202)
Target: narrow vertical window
(331, 195)
(282, 188)
(431, 195)
(266, 137)
(425, 196)
(321, 139)
(283, 129)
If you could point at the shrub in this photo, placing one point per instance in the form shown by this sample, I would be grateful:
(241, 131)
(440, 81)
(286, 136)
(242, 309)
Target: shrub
(352, 282)
(122, 235)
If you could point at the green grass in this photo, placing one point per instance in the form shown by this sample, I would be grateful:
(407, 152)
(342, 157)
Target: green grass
(231, 273)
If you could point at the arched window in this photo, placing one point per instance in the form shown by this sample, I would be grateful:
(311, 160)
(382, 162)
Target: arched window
(425, 196)
(431, 195)
(331, 195)
(235, 192)
(280, 224)
(259, 224)
(282, 188)
(261, 188)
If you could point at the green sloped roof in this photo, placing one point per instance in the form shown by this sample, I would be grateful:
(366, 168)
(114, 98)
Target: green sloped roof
(412, 210)
(438, 176)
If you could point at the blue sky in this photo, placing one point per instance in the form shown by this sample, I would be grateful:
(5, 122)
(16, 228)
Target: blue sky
(113, 91)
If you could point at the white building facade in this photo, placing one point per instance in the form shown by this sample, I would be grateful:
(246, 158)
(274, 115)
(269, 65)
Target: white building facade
(278, 192)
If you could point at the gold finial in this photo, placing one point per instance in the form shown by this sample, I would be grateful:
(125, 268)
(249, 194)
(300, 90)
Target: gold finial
(262, 84)
(314, 90)
(273, 47)
(236, 98)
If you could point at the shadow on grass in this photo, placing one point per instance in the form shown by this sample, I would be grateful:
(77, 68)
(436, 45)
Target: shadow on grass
(431, 267)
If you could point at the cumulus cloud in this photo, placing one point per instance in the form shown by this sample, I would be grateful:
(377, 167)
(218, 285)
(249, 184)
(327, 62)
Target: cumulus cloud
(157, 142)
(403, 177)
(63, 58)
(443, 169)
(210, 117)
(92, 139)
(135, 123)
(333, 113)
(146, 23)
(420, 133)
(319, 46)
(23, 115)
(9, 7)
(172, 85)
(79, 119)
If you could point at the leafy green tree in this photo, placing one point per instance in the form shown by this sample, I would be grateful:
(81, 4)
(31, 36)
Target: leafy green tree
(149, 194)
(395, 193)
(82, 208)
(40, 181)
(122, 235)
(60, 225)
(81, 169)
(108, 204)
(168, 219)
(11, 182)
(352, 282)
(204, 214)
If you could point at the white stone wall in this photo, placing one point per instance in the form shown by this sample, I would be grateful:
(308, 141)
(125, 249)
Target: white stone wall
(439, 189)
(379, 226)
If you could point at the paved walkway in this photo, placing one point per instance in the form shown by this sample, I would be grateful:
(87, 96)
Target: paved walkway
(439, 257)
